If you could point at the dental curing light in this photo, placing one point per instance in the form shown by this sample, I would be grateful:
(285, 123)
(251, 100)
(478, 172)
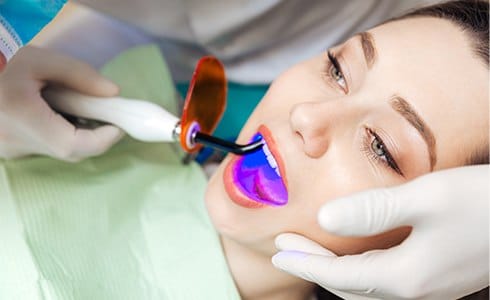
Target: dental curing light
(203, 108)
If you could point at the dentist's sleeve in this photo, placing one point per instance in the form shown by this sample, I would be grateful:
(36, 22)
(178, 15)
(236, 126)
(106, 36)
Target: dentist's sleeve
(20, 21)
(445, 256)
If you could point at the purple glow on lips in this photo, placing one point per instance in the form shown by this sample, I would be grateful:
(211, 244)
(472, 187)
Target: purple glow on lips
(258, 180)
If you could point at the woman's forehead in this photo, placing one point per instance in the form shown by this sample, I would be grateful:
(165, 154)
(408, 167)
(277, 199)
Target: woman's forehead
(418, 37)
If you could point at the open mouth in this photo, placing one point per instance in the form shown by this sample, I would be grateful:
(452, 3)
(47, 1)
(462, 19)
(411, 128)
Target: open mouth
(258, 176)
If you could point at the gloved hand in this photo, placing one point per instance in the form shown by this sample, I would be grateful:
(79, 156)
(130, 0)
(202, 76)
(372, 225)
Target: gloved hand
(29, 126)
(445, 256)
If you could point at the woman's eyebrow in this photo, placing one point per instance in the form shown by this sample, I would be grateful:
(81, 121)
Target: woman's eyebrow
(368, 47)
(402, 107)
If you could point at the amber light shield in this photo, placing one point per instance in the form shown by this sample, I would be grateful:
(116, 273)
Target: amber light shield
(205, 100)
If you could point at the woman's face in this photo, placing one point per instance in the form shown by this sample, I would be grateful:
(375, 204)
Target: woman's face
(391, 104)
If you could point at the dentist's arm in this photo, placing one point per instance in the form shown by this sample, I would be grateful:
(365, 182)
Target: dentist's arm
(29, 126)
(445, 256)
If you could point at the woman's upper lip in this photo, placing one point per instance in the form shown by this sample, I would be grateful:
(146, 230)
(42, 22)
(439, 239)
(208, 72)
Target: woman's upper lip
(273, 147)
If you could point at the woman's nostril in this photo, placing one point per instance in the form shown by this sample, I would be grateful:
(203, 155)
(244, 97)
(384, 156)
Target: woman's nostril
(300, 136)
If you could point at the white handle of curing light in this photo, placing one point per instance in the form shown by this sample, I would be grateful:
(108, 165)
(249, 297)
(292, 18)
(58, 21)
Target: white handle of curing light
(142, 120)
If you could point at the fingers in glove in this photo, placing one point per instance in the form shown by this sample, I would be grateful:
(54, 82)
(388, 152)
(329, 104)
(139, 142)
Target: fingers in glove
(95, 141)
(90, 142)
(371, 212)
(64, 141)
(47, 65)
(419, 201)
(355, 273)
(296, 242)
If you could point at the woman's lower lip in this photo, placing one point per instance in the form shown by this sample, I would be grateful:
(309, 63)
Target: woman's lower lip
(233, 191)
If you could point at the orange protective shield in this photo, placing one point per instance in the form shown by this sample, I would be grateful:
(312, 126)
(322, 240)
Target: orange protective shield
(205, 100)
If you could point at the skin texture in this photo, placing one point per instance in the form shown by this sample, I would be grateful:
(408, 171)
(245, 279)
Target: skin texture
(320, 127)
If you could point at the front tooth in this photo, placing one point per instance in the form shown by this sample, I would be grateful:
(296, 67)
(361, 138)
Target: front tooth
(267, 151)
(269, 155)
(272, 161)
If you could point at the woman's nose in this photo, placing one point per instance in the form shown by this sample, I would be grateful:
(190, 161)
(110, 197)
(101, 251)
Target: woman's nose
(313, 123)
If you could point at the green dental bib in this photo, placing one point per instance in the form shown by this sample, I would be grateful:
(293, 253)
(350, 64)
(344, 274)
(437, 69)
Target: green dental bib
(130, 224)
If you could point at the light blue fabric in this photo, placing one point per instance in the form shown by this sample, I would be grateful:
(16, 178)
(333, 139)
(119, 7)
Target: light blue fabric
(25, 18)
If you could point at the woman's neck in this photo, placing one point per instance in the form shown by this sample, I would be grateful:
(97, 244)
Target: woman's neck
(257, 279)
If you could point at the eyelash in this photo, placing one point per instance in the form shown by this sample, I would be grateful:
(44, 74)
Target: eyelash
(334, 65)
(386, 159)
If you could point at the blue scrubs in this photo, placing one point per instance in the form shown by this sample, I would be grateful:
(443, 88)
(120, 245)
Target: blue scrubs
(25, 18)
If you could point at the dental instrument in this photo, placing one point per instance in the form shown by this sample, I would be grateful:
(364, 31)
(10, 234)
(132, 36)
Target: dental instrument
(203, 108)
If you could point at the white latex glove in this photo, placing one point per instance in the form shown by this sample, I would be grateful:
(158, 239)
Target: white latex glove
(445, 256)
(29, 126)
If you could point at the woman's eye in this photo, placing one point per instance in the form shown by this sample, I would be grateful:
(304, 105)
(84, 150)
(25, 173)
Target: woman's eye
(375, 148)
(335, 72)
(378, 148)
(338, 77)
